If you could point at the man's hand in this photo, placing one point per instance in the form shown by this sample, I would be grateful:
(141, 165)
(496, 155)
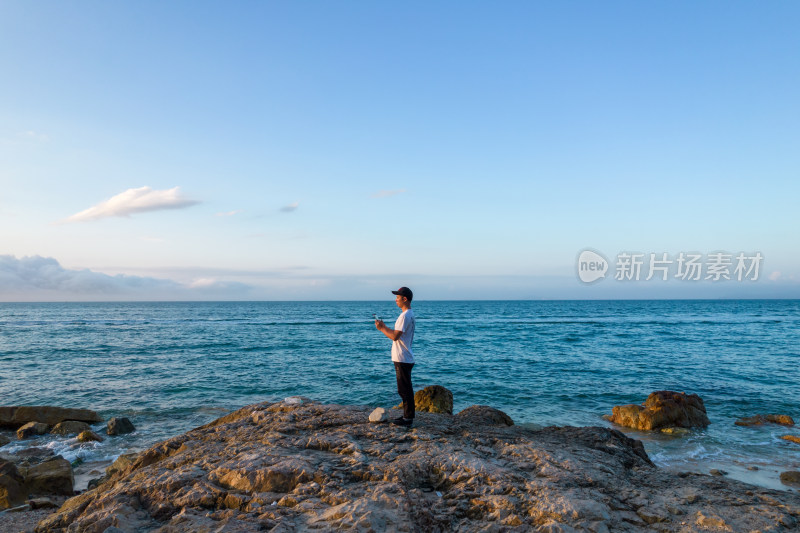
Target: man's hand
(393, 334)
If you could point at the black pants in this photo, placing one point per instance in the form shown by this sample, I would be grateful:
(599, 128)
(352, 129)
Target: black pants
(404, 387)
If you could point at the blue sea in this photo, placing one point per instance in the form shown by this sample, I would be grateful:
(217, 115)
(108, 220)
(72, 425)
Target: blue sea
(170, 367)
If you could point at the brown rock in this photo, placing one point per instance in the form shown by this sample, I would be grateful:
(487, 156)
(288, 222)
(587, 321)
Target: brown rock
(653, 515)
(34, 454)
(19, 416)
(663, 409)
(50, 477)
(115, 469)
(89, 436)
(711, 521)
(96, 482)
(751, 421)
(121, 463)
(282, 476)
(483, 415)
(310, 466)
(12, 490)
(7, 417)
(758, 420)
(70, 427)
(679, 432)
(32, 429)
(792, 438)
(120, 426)
(792, 477)
(42, 503)
(434, 399)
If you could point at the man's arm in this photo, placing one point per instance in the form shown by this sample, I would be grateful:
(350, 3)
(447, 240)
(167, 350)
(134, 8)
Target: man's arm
(393, 334)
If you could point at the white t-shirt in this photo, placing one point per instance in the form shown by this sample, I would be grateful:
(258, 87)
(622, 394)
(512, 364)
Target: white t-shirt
(401, 348)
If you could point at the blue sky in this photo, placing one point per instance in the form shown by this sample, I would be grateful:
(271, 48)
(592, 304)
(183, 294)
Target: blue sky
(329, 150)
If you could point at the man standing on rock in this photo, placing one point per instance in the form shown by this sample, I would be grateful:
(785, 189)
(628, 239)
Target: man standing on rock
(402, 336)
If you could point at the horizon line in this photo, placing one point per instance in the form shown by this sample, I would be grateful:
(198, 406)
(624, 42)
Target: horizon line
(426, 300)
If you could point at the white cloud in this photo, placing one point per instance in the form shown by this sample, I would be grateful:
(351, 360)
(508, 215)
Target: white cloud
(33, 136)
(775, 276)
(228, 213)
(386, 194)
(39, 278)
(134, 201)
(291, 207)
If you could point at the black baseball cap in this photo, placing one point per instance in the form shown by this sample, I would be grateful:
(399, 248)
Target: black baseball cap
(406, 292)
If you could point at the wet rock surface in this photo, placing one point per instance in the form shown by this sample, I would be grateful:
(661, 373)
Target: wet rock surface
(89, 436)
(307, 466)
(32, 429)
(791, 477)
(70, 427)
(32, 455)
(758, 420)
(119, 426)
(662, 409)
(17, 416)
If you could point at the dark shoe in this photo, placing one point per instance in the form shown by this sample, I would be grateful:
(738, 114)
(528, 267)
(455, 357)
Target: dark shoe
(405, 422)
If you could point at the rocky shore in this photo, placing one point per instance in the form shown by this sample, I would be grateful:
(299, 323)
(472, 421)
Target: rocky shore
(298, 465)
(34, 480)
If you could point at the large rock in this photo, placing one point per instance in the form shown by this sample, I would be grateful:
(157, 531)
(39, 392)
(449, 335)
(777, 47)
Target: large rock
(483, 415)
(314, 467)
(121, 463)
(758, 420)
(12, 490)
(70, 427)
(663, 409)
(15, 417)
(42, 503)
(31, 429)
(119, 426)
(434, 399)
(89, 436)
(50, 477)
(7, 417)
(33, 455)
(792, 477)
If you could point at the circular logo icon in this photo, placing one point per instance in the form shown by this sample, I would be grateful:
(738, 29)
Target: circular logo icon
(592, 266)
